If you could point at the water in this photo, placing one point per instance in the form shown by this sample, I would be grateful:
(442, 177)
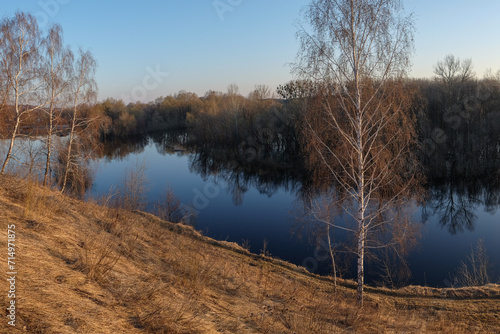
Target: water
(253, 209)
(251, 217)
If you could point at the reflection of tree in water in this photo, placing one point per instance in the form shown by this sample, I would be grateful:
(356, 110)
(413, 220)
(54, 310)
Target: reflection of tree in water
(237, 186)
(265, 171)
(455, 211)
(119, 149)
(170, 142)
(455, 194)
(165, 143)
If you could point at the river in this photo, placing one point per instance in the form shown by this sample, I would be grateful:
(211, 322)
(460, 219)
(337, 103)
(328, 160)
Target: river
(262, 213)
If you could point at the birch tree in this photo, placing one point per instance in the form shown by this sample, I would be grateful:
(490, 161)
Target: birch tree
(4, 94)
(84, 91)
(361, 134)
(56, 75)
(20, 64)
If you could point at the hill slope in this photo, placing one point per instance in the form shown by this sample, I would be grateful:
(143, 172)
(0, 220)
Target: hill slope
(82, 268)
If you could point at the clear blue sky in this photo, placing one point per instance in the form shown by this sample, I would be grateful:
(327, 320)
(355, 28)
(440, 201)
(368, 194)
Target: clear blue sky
(250, 43)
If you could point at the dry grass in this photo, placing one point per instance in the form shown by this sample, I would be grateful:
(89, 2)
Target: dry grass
(88, 269)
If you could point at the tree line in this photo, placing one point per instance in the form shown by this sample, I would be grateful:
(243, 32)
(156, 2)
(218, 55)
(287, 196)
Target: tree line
(455, 116)
(183, 110)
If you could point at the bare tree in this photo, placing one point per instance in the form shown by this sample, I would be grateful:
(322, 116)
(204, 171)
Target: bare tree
(84, 91)
(261, 92)
(56, 73)
(168, 206)
(324, 211)
(4, 94)
(235, 99)
(361, 133)
(132, 193)
(235, 103)
(476, 270)
(20, 64)
(454, 73)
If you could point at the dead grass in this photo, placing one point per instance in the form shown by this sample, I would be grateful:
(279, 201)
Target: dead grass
(89, 269)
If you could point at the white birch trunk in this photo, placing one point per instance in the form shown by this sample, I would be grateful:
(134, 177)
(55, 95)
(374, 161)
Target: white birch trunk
(11, 146)
(49, 147)
(68, 154)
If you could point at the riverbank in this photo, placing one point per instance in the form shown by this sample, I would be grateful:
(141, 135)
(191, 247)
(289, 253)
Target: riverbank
(84, 268)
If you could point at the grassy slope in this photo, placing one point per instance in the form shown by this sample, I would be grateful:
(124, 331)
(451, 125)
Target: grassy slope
(88, 269)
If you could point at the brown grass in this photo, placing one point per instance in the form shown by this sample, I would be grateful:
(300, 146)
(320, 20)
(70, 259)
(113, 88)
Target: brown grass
(89, 269)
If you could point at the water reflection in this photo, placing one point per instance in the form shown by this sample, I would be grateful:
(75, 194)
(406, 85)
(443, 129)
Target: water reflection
(172, 142)
(456, 212)
(456, 188)
(120, 149)
(265, 174)
(165, 143)
(459, 185)
(268, 169)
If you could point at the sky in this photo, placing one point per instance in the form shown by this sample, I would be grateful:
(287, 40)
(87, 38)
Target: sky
(147, 49)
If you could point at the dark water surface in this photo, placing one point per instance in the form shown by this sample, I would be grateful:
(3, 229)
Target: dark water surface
(257, 208)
